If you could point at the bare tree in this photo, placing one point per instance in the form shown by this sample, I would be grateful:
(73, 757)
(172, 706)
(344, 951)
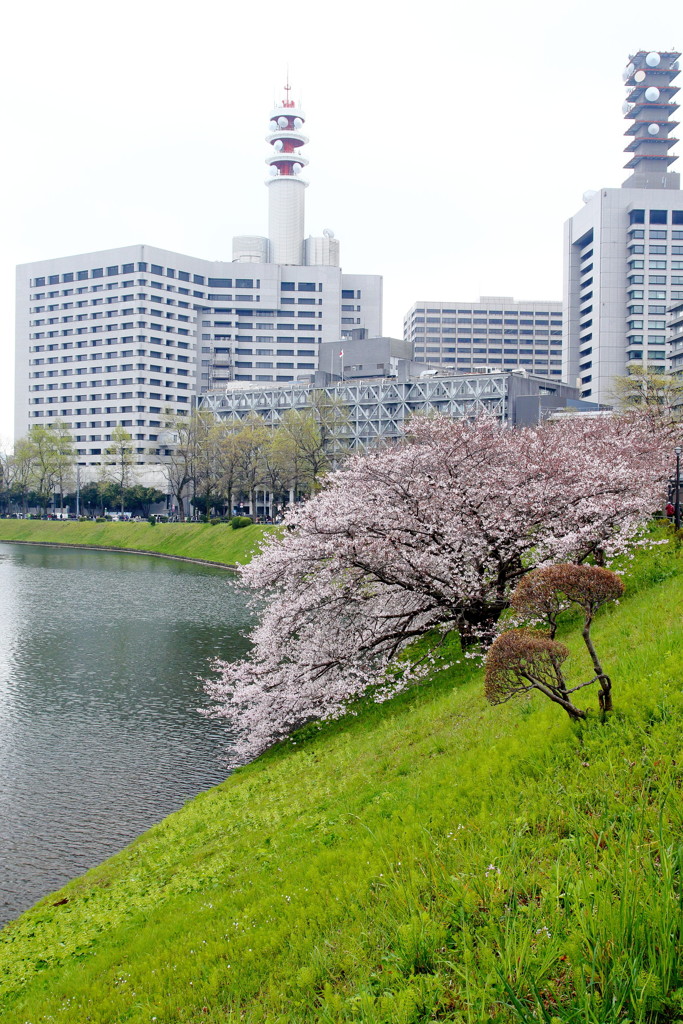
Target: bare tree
(118, 462)
(251, 441)
(52, 460)
(317, 435)
(660, 395)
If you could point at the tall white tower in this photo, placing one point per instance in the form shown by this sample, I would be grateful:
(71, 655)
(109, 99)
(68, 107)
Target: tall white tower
(286, 188)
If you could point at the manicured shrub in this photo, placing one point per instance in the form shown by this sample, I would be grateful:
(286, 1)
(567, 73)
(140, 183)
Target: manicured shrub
(238, 522)
(521, 660)
(543, 593)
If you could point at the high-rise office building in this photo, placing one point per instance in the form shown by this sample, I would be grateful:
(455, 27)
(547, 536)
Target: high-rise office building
(623, 252)
(123, 337)
(495, 332)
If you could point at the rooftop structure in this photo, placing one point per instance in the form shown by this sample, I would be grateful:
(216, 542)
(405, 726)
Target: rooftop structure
(649, 105)
(379, 409)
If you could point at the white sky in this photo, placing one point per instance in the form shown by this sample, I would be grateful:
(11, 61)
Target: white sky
(449, 142)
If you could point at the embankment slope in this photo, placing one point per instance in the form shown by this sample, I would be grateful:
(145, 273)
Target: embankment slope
(201, 541)
(428, 859)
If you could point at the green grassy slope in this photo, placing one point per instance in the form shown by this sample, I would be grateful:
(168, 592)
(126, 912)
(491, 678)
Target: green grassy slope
(188, 540)
(432, 859)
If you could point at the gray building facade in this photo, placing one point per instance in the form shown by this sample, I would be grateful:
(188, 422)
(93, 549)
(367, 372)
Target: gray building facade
(496, 333)
(378, 410)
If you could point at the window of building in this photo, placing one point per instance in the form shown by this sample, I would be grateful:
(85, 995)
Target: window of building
(658, 216)
(637, 217)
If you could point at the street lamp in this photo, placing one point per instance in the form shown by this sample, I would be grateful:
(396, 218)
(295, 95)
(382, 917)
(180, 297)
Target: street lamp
(677, 503)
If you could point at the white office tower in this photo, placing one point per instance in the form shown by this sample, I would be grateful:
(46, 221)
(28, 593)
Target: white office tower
(124, 337)
(623, 254)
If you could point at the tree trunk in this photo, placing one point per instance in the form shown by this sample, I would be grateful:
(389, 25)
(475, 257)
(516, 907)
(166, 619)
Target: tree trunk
(605, 693)
(477, 623)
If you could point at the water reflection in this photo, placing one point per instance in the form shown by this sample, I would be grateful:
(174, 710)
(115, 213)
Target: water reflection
(99, 736)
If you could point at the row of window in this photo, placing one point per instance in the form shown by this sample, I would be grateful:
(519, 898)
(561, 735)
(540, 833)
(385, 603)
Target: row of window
(654, 264)
(524, 337)
(280, 366)
(109, 314)
(469, 364)
(143, 268)
(127, 339)
(265, 338)
(654, 279)
(491, 312)
(259, 352)
(639, 233)
(141, 283)
(656, 216)
(540, 354)
(264, 377)
(482, 323)
(656, 250)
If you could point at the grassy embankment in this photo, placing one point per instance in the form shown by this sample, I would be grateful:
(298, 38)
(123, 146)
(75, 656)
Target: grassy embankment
(219, 543)
(431, 859)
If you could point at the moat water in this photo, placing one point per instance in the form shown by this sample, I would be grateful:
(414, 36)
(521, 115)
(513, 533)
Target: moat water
(100, 737)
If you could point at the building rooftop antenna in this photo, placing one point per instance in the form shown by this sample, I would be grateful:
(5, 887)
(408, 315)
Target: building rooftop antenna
(287, 102)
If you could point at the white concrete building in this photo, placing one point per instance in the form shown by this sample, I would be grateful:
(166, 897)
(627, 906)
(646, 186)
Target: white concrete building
(496, 332)
(623, 252)
(123, 337)
(106, 339)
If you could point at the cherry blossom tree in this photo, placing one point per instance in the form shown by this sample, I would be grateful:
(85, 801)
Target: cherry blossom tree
(432, 534)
